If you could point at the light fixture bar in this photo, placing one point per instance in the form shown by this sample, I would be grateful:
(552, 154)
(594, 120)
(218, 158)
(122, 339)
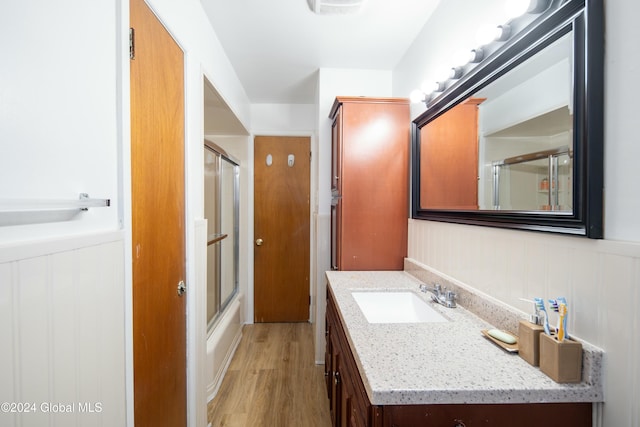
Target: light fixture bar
(335, 7)
(487, 38)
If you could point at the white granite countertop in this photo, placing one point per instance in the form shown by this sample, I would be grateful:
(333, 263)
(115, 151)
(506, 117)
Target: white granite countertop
(437, 363)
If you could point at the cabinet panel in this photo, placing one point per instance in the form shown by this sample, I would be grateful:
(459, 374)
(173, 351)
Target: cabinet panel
(449, 159)
(336, 153)
(499, 415)
(328, 367)
(370, 178)
(336, 234)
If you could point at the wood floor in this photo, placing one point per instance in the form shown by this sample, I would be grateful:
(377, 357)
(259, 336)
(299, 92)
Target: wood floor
(272, 381)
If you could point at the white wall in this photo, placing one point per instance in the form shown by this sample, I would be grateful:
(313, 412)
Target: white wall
(622, 151)
(59, 100)
(288, 118)
(601, 277)
(545, 92)
(62, 286)
(65, 130)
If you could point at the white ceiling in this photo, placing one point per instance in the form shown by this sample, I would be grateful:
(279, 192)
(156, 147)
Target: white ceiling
(277, 46)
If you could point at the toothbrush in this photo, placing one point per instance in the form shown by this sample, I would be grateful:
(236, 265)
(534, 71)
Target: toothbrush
(553, 306)
(562, 312)
(563, 300)
(540, 307)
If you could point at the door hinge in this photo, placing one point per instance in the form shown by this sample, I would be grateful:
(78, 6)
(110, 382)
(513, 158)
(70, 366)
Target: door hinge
(132, 44)
(310, 154)
(182, 288)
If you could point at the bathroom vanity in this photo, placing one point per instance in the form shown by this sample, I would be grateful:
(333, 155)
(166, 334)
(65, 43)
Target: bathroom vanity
(435, 373)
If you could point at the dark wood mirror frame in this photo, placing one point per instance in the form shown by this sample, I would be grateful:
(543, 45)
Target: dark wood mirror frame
(585, 19)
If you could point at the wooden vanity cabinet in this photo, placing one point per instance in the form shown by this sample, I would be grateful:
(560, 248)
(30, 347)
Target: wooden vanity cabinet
(348, 399)
(350, 405)
(370, 141)
(493, 415)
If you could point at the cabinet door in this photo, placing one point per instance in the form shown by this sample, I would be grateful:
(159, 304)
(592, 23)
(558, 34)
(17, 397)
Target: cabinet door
(374, 185)
(336, 391)
(449, 159)
(336, 153)
(328, 368)
(336, 234)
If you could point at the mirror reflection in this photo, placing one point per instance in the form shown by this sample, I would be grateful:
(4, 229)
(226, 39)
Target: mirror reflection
(510, 145)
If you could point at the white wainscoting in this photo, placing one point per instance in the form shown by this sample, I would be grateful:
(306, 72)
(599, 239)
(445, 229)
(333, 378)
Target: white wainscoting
(62, 327)
(323, 264)
(197, 329)
(600, 278)
(222, 344)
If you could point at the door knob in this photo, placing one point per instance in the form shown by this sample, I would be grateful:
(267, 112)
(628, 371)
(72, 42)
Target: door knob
(259, 242)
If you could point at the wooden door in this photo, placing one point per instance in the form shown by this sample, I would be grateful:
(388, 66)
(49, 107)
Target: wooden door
(158, 223)
(281, 229)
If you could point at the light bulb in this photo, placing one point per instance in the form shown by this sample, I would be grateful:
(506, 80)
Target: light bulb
(461, 58)
(439, 86)
(477, 55)
(485, 34)
(455, 73)
(426, 86)
(416, 96)
(515, 8)
(503, 32)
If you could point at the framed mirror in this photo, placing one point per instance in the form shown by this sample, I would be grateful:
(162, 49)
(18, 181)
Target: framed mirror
(515, 138)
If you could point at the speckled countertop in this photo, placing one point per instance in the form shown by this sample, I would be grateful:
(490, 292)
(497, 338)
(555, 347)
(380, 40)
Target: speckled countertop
(431, 363)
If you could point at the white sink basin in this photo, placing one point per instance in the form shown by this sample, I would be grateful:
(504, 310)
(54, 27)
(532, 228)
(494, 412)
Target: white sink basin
(396, 307)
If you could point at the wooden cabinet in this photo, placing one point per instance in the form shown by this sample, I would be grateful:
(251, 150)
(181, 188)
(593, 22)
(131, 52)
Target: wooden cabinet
(449, 159)
(369, 183)
(348, 400)
(351, 407)
(497, 415)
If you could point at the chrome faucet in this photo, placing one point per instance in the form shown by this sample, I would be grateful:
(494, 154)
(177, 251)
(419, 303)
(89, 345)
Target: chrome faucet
(439, 295)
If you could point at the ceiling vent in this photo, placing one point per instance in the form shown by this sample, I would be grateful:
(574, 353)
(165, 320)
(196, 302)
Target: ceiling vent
(335, 7)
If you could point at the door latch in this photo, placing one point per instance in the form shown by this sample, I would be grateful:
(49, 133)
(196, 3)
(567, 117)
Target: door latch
(182, 288)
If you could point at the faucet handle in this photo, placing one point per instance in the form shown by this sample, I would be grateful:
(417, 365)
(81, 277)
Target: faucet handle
(450, 298)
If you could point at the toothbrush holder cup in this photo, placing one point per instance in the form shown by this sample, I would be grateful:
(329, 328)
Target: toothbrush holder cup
(561, 361)
(529, 342)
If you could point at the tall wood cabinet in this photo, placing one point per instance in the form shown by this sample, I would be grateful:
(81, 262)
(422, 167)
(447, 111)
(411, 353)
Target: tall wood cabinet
(369, 183)
(449, 159)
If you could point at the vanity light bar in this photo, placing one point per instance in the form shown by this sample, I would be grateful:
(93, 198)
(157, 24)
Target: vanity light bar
(502, 33)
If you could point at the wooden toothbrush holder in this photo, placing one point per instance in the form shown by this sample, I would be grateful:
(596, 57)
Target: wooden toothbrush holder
(561, 361)
(529, 342)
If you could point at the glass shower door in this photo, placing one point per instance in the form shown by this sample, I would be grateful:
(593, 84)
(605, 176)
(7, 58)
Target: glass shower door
(228, 227)
(221, 187)
(539, 181)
